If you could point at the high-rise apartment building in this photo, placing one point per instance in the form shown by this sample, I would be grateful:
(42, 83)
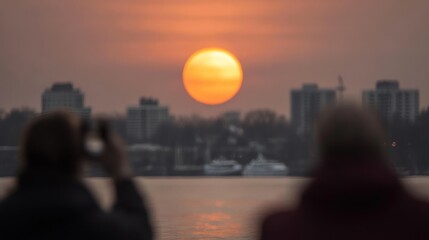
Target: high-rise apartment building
(144, 120)
(65, 96)
(306, 104)
(391, 101)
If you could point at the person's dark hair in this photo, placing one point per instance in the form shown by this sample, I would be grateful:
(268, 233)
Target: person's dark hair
(347, 130)
(51, 142)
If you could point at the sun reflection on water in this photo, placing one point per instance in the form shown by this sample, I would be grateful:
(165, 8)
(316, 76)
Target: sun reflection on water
(216, 225)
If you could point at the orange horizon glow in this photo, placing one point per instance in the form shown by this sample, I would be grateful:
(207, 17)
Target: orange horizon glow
(212, 76)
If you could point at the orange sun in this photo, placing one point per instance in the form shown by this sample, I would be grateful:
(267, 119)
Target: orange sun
(212, 76)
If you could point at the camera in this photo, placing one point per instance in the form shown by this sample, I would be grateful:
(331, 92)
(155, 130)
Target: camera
(94, 136)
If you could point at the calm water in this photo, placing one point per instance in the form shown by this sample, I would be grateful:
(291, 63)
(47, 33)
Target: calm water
(214, 208)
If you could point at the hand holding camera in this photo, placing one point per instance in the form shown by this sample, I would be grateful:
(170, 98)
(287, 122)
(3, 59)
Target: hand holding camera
(102, 145)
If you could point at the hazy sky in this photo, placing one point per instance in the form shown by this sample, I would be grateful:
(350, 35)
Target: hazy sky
(117, 51)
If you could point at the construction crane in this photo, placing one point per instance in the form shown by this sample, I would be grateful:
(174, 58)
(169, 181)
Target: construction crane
(340, 88)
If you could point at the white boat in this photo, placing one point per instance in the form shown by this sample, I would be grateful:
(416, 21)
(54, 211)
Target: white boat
(223, 167)
(264, 167)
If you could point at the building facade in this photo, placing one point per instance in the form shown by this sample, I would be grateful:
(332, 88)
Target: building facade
(391, 101)
(65, 96)
(306, 104)
(144, 120)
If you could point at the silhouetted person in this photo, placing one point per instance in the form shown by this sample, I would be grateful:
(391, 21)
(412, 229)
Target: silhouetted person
(354, 193)
(51, 202)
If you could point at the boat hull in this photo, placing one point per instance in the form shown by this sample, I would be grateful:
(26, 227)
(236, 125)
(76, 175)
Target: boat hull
(209, 171)
(252, 173)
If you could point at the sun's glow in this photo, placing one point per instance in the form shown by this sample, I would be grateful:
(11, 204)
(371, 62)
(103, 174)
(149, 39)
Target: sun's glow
(212, 76)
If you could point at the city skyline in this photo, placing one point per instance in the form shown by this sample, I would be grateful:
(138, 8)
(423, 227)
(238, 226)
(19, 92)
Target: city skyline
(77, 94)
(218, 109)
(119, 51)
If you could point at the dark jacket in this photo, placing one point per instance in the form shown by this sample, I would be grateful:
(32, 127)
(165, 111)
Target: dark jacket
(47, 207)
(357, 201)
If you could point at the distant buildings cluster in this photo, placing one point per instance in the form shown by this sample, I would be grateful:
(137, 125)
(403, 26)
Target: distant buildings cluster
(387, 98)
(143, 120)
